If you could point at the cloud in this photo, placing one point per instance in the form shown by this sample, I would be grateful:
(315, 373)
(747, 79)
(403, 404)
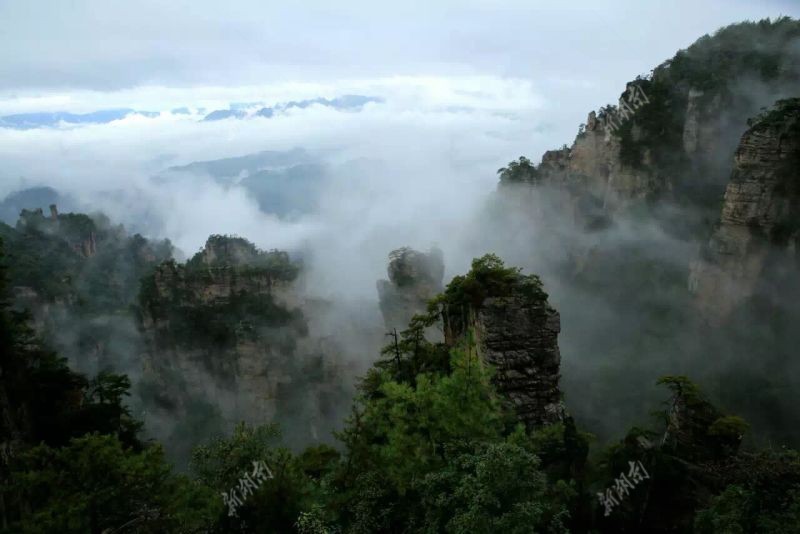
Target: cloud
(466, 87)
(95, 44)
(408, 170)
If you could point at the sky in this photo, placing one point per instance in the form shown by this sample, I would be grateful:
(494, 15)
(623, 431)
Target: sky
(111, 45)
(466, 87)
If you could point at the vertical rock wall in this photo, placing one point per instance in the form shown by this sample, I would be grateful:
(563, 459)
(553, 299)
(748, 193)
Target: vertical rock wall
(518, 336)
(414, 278)
(760, 220)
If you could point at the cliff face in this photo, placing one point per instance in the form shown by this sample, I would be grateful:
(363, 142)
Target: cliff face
(78, 276)
(78, 231)
(515, 330)
(593, 166)
(519, 338)
(760, 222)
(672, 133)
(229, 331)
(414, 278)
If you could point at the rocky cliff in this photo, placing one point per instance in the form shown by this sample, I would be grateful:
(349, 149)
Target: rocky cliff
(78, 276)
(414, 278)
(515, 330)
(227, 336)
(672, 133)
(759, 227)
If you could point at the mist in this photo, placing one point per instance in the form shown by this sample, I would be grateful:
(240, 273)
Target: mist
(417, 167)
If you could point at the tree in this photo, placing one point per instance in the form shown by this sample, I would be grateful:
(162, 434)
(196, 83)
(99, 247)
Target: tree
(399, 432)
(95, 484)
(519, 171)
(495, 487)
(278, 499)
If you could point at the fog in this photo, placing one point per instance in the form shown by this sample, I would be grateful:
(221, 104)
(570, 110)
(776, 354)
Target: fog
(411, 170)
(417, 169)
(461, 94)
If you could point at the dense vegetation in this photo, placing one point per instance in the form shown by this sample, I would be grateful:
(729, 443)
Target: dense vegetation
(79, 275)
(425, 450)
(429, 446)
(521, 170)
(735, 72)
(80, 258)
(622, 285)
(72, 460)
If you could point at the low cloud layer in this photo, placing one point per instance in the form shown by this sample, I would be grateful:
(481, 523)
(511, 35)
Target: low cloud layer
(409, 170)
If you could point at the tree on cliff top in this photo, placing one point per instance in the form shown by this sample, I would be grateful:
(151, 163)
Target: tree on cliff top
(519, 171)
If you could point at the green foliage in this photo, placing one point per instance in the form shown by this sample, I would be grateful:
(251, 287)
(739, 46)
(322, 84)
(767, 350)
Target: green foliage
(82, 259)
(729, 427)
(72, 461)
(496, 487)
(562, 448)
(681, 386)
(276, 504)
(401, 431)
(749, 48)
(94, 484)
(775, 115)
(312, 522)
(220, 324)
(410, 355)
(488, 277)
(44, 399)
(518, 172)
(247, 313)
(414, 422)
(747, 51)
(739, 510)
(222, 251)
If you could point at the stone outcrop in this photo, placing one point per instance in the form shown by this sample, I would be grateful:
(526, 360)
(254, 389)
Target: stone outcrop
(678, 141)
(414, 278)
(593, 166)
(760, 221)
(520, 339)
(701, 127)
(517, 334)
(77, 230)
(230, 330)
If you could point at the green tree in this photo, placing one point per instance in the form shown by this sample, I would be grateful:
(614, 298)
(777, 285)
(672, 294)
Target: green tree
(520, 171)
(95, 484)
(497, 487)
(277, 502)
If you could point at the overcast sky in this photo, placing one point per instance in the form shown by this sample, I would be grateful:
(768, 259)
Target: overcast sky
(110, 44)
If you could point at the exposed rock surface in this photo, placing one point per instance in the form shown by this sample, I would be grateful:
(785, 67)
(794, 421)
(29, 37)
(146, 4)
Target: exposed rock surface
(671, 134)
(414, 278)
(520, 339)
(78, 276)
(77, 230)
(517, 334)
(593, 166)
(701, 126)
(229, 330)
(760, 218)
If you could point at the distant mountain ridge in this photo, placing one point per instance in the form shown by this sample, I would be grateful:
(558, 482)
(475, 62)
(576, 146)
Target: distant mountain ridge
(344, 102)
(282, 182)
(236, 110)
(27, 121)
(249, 163)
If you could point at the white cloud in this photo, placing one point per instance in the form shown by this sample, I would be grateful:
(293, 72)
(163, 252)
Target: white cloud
(435, 144)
